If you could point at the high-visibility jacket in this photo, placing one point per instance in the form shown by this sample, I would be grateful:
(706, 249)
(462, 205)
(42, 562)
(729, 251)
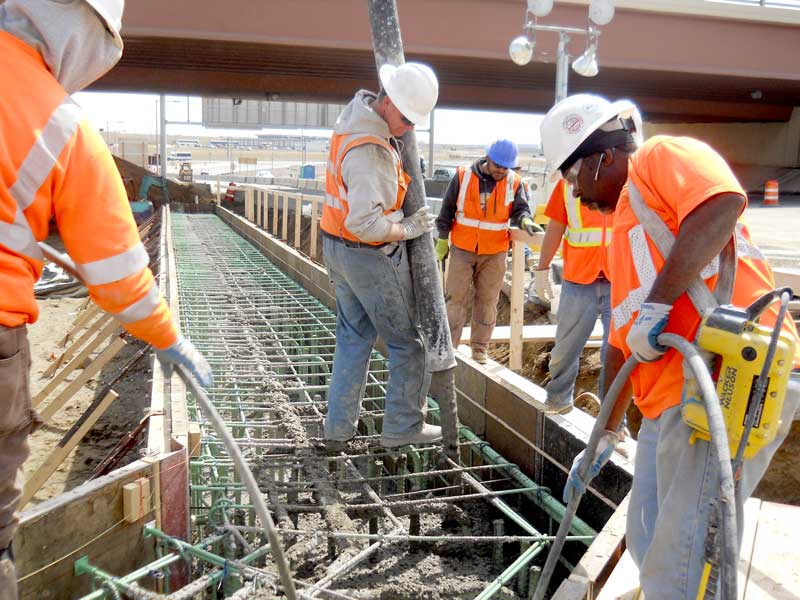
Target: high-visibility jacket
(586, 238)
(54, 164)
(335, 209)
(675, 175)
(483, 230)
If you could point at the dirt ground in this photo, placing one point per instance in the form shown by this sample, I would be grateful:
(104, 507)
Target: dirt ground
(55, 320)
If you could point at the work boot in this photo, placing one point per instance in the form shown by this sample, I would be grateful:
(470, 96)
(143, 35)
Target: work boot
(479, 356)
(557, 408)
(8, 575)
(428, 434)
(337, 446)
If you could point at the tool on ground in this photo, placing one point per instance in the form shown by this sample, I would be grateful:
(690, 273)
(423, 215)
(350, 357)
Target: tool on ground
(243, 470)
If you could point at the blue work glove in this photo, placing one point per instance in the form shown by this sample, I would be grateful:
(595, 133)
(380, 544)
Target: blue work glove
(442, 248)
(643, 335)
(605, 448)
(529, 226)
(183, 352)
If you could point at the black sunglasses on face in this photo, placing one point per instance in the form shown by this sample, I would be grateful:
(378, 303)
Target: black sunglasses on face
(406, 121)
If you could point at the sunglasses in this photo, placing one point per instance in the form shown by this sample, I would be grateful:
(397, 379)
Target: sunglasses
(407, 122)
(571, 174)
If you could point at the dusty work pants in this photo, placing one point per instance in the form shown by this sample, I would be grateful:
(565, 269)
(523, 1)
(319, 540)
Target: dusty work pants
(674, 485)
(16, 421)
(477, 278)
(578, 309)
(374, 296)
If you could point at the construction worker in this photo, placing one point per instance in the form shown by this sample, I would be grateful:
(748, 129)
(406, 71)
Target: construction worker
(689, 187)
(585, 291)
(364, 244)
(476, 209)
(54, 165)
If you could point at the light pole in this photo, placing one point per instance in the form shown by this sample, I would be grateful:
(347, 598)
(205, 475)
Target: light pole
(522, 47)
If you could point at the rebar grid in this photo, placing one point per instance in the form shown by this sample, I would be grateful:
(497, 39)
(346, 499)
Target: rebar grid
(271, 347)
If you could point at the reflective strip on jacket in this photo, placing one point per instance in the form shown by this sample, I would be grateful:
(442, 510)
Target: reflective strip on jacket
(335, 209)
(586, 237)
(54, 164)
(483, 230)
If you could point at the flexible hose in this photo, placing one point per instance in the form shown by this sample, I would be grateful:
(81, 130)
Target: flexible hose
(572, 506)
(247, 478)
(720, 440)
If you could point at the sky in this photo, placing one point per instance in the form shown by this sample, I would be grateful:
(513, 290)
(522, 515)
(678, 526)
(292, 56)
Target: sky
(138, 113)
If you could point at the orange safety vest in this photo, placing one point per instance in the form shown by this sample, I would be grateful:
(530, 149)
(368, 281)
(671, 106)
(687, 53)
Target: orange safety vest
(336, 208)
(483, 231)
(586, 238)
(53, 163)
(636, 261)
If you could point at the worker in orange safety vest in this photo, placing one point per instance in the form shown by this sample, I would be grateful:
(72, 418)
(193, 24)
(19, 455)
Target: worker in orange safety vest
(585, 291)
(683, 188)
(55, 165)
(478, 207)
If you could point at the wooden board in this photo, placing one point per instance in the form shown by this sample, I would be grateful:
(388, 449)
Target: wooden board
(76, 345)
(535, 333)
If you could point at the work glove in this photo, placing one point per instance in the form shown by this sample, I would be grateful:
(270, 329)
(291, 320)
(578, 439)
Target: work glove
(420, 222)
(643, 335)
(183, 352)
(529, 226)
(442, 248)
(605, 448)
(541, 284)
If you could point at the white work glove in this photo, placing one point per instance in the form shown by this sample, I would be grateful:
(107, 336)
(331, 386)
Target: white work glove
(642, 337)
(420, 222)
(183, 352)
(605, 448)
(541, 284)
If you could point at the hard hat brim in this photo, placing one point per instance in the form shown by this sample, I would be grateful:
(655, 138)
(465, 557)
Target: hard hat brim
(112, 24)
(387, 76)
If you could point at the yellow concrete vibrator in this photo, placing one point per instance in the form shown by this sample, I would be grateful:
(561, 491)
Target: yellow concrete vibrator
(736, 347)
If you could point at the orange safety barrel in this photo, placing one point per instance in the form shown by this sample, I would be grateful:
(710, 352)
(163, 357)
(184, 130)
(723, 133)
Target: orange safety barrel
(770, 193)
(230, 193)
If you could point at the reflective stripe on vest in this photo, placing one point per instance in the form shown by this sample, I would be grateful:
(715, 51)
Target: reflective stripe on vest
(114, 268)
(577, 235)
(143, 308)
(646, 271)
(477, 223)
(33, 171)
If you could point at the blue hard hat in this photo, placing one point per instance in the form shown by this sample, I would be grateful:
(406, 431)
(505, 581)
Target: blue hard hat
(503, 153)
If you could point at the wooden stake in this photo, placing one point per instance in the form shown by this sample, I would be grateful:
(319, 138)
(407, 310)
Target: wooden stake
(68, 392)
(103, 321)
(39, 477)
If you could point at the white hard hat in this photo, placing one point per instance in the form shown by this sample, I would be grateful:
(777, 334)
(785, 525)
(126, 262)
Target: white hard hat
(413, 88)
(111, 13)
(567, 125)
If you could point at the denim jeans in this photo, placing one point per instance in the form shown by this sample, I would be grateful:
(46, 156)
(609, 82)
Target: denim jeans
(578, 308)
(374, 296)
(674, 485)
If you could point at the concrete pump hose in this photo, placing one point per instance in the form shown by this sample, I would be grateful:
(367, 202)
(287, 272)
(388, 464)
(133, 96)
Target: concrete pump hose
(247, 478)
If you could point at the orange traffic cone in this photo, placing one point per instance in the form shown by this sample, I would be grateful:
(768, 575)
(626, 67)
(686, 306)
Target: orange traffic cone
(230, 193)
(770, 193)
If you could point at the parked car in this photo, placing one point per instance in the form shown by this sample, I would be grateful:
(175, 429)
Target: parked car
(443, 173)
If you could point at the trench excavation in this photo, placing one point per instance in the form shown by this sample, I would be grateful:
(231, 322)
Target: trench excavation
(365, 523)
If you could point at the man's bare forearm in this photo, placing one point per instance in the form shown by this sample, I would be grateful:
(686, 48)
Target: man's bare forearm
(613, 363)
(702, 236)
(552, 240)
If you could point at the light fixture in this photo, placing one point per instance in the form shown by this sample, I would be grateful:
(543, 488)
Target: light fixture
(586, 63)
(601, 11)
(540, 8)
(521, 50)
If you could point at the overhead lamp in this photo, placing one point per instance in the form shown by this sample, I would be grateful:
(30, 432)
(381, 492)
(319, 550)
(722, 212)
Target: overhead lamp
(521, 50)
(586, 63)
(540, 8)
(601, 11)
